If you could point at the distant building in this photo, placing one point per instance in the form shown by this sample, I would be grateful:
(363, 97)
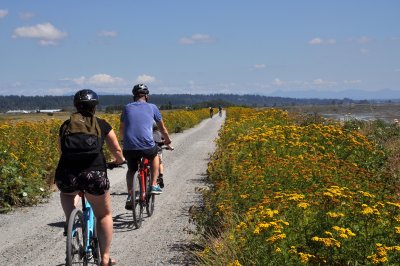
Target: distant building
(49, 111)
(18, 112)
(45, 111)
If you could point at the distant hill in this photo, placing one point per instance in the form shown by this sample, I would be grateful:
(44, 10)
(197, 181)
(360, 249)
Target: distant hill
(165, 101)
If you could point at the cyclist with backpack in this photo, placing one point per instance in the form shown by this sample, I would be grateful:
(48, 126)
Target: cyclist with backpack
(82, 165)
(136, 129)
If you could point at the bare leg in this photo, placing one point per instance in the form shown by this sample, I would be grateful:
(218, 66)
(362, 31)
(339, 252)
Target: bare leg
(161, 169)
(161, 165)
(155, 164)
(68, 203)
(129, 179)
(102, 210)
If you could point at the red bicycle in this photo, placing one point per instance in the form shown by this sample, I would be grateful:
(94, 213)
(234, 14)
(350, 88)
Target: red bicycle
(140, 193)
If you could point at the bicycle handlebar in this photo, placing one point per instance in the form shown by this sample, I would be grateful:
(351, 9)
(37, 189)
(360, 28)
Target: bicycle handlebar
(112, 165)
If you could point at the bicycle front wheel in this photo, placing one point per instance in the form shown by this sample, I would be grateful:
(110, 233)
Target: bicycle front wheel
(75, 238)
(150, 198)
(137, 204)
(95, 245)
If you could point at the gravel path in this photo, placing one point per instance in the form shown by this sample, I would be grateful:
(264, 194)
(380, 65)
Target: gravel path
(33, 236)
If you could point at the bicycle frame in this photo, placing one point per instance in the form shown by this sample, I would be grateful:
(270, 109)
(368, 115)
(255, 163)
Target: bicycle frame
(144, 169)
(89, 220)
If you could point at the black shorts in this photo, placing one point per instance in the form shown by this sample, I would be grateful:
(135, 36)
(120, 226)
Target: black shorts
(133, 156)
(92, 182)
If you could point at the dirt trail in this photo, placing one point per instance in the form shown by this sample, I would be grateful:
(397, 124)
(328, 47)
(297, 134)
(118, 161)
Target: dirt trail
(33, 236)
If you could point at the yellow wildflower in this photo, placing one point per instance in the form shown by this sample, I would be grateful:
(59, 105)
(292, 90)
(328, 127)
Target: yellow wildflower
(274, 238)
(303, 205)
(305, 257)
(335, 214)
(235, 263)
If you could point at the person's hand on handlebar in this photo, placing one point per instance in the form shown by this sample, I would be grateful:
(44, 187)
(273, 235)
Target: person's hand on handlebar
(169, 147)
(114, 164)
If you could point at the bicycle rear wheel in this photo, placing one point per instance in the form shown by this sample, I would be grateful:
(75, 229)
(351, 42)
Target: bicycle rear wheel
(75, 238)
(137, 204)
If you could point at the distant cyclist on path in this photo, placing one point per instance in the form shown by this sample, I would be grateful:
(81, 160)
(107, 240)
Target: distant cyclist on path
(211, 111)
(136, 129)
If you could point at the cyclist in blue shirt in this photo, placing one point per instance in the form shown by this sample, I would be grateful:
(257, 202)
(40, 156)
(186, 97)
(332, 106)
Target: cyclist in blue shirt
(136, 129)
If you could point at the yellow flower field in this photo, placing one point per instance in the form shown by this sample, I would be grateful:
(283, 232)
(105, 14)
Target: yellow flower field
(289, 192)
(29, 154)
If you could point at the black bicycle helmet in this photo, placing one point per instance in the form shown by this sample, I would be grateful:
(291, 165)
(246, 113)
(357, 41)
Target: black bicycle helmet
(86, 99)
(139, 89)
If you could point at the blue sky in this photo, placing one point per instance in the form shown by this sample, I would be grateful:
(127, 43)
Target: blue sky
(52, 47)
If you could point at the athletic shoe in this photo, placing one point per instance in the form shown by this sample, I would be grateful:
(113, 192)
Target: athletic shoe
(156, 190)
(128, 203)
(160, 181)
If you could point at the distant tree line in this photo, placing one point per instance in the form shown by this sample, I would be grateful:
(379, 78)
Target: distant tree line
(113, 103)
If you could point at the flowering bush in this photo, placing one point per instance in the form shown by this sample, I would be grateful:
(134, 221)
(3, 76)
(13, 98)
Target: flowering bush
(289, 193)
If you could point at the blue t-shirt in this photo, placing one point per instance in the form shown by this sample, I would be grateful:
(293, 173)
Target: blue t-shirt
(138, 118)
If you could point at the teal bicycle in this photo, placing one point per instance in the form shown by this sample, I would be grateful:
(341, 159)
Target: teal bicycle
(82, 243)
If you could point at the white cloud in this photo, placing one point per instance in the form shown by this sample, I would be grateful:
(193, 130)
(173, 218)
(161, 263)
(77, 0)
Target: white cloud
(278, 82)
(103, 80)
(196, 38)
(145, 79)
(259, 66)
(364, 51)
(321, 82)
(80, 81)
(110, 34)
(60, 91)
(299, 84)
(26, 15)
(3, 13)
(356, 81)
(319, 41)
(46, 33)
(363, 40)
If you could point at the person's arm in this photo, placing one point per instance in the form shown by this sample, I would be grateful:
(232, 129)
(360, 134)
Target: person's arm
(113, 146)
(164, 132)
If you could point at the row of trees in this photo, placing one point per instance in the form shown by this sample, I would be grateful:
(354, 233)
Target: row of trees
(164, 101)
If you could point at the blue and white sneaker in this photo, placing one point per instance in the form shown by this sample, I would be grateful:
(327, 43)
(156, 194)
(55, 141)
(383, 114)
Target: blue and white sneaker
(155, 190)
